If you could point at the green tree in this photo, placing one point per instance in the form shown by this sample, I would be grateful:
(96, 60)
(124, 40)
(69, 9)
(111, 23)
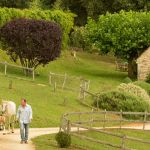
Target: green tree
(33, 42)
(94, 8)
(15, 3)
(126, 34)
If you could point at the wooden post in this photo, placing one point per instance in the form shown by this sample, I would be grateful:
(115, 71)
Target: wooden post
(5, 68)
(10, 84)
(50, 79)
(55, 86)
(97, 104)
(92, 119)
(68, 126)
(123, 143)
(33, 74)
(104, 125)
(79, 121)
(65, 101)
(120, 119)
(88, 85)
(144, 121)
(65, 78)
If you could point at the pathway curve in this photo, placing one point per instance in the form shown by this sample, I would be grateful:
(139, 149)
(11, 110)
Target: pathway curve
(12, 141)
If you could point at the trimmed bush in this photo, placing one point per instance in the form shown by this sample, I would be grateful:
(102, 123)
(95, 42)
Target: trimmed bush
(117, 100)
(144, 85)
(64, 19)
(134, 90)
(63, 139)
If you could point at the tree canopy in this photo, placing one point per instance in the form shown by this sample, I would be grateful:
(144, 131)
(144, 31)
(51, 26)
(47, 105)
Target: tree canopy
(126, 34)
(34, 42)
(15, 3)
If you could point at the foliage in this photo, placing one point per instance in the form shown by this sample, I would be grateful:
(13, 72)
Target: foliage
(134, 90)
(94, 8)
(64, 19)
(63, 139)
(148, 78)
(127, 80)
(144, 85)
(34, 42)
(78, 38)
(126, 34)
(118, 100)
(15, 3)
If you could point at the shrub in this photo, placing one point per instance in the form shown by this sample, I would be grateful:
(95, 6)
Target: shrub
(125, 34)
(63, 139)
(34, 42)
(117, 100)
(134, 90)
(148, 79)
(64, 19)
(127, 80)
(78, 39)
(144, 85)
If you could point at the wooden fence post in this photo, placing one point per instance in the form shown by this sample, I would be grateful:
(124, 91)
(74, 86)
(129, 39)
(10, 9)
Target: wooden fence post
(123, 142)
(68, 126)
(92, 119)
(97, 103)
(50, 78)
(10, 84)
(5, 68)
(55, 86)
(104, 125)
(79, 121)
(144, 121)
(65, 78)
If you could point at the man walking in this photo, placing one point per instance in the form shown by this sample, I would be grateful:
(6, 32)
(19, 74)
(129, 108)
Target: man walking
(24, 116)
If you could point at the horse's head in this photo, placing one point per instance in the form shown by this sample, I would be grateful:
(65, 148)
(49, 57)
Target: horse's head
(4, 106)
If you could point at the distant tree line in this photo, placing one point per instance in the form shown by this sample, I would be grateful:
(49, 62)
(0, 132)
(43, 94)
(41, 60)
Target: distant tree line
(82, 8)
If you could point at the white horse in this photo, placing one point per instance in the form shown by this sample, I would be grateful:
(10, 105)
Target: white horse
(9, 111)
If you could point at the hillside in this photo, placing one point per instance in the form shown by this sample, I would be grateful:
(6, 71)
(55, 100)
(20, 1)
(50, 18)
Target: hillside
(47, 105)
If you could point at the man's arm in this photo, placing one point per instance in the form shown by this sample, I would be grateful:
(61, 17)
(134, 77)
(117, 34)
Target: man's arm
(31, 117)
(18, 113)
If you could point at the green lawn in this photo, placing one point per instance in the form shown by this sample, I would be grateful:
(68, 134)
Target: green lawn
(47, 105)
(47, 142)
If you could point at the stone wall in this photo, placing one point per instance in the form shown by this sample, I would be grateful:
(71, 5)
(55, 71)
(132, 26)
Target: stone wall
(143, 63)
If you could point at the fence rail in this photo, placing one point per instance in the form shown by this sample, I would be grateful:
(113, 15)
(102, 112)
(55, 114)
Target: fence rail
(6, 64)
(67, 124)
(65, 81)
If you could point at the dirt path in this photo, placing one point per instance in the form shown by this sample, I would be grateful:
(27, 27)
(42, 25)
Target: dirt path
(12, 141)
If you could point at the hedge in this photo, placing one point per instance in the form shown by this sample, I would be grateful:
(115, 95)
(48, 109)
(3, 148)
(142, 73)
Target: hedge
(64, 19)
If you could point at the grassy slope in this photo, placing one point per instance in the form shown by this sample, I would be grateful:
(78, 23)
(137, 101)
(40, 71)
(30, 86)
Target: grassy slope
(47, 142)
(46, 104)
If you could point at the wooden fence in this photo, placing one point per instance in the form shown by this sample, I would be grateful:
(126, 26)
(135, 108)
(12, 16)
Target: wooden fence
(6, 65)
(65, 81)
(67, 124)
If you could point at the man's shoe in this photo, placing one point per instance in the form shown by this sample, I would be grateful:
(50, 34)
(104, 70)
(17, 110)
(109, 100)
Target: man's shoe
(26, 142)
(21, 142)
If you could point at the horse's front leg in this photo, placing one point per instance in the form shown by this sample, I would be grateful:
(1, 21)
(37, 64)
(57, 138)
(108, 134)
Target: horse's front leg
(13, 124)
(4, 127)
(8, 125)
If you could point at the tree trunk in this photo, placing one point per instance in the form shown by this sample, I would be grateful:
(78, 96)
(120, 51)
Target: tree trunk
(132, 69)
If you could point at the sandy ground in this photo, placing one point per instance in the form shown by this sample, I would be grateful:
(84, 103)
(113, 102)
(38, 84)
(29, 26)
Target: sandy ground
(12, 141)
